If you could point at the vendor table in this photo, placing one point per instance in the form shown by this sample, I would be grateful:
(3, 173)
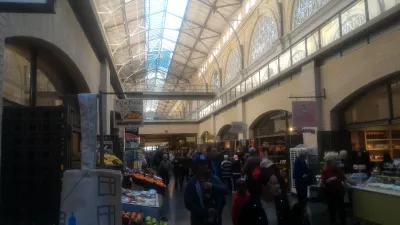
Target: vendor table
(375, 205)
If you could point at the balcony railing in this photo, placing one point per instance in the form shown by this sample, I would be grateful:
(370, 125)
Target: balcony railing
(193, 116)
(174, 88)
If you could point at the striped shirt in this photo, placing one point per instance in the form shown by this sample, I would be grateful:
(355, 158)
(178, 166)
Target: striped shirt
(226, 169)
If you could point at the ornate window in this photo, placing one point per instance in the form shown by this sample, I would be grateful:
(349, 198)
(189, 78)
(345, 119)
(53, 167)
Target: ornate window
(307, 8)
(217, 80)
(265, 33)
(233, 66)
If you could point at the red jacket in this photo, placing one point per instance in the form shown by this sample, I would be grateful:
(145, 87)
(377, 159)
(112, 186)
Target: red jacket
(237, 205)
(335, 187)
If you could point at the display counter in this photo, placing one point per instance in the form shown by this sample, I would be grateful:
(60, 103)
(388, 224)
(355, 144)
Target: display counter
(376, 205)
(146, 202)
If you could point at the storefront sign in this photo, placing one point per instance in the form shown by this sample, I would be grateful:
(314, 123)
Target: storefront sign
(128, 113)
(27, 6)
(305, 114)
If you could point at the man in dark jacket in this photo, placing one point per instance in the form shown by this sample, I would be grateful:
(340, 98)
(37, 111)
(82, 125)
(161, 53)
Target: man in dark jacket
(252, 161)
(205, 195)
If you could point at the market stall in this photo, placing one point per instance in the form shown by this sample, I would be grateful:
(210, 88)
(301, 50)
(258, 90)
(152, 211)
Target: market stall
(145, 202)
(377, 199)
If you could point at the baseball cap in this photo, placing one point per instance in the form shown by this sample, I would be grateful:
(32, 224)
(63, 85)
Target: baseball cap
(201, 159)
(252, 149)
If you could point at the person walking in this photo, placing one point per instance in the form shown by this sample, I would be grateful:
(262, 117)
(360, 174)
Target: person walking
(251, 162)
(205, 194)
(265, 206)
(236, 170)
(226, 172)
(212, 155)
(239, 199)
(178, 172)
(165, 169)
(333, 179)
(301, 178)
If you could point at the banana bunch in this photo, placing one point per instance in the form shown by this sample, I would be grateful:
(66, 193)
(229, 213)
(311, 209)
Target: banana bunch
(110, 160)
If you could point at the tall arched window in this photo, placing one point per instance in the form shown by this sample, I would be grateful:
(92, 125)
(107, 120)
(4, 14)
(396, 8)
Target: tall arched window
(305, 9)
(264, 34)
(216, 80)
(233, 66)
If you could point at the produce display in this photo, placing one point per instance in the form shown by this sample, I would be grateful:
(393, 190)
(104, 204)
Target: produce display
(110, 160)
(142, 198)
(131, 218)
(153, 221)
(154, 180)
(147, 181)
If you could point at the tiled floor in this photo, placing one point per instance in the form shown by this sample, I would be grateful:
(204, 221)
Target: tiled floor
(174, 209)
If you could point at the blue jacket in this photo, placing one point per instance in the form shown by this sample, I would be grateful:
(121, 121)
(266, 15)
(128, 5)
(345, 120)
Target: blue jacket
(300, 168)
(194, 200)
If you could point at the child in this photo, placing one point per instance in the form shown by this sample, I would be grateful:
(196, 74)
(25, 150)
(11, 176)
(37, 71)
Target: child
(239, 199)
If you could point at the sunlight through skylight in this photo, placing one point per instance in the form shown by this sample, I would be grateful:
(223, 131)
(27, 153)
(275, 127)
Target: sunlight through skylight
(162, 35)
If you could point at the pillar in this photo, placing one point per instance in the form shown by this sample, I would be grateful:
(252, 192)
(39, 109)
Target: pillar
(312, 72)
(241, 117)
(107, 100)
(2, 52)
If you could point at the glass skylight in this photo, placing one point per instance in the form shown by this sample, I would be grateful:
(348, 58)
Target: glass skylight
(162, 34)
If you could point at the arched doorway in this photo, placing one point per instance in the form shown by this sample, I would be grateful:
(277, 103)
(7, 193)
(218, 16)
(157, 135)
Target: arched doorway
(228, 140)
(372, 117)
(274, 136)
(38, 73)
(41, 130)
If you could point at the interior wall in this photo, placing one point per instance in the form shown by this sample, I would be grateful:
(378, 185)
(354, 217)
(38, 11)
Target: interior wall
(206, 125)
(62, 30)
(344, 75)
(278, 98)
(226, 117)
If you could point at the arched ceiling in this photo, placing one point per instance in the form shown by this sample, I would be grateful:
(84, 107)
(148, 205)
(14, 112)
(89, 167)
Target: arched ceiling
(162, 44)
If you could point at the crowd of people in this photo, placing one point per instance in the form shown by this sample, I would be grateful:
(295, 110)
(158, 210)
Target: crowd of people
(260, 191)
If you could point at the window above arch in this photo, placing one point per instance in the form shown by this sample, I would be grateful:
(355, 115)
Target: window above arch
(305, 9)
(233, 66)
(216, 80)
(264, 35)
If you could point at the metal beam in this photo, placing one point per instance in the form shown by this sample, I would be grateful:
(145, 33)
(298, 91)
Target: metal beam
(130, 21)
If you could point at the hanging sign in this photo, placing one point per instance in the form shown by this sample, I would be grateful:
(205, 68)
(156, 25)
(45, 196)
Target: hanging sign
(128, 113)
(305, 114)
(27, 6)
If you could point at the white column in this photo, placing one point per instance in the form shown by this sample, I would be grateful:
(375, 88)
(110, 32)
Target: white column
(107, 100)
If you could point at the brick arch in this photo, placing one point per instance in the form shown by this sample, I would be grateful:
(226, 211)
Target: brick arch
(67, 78)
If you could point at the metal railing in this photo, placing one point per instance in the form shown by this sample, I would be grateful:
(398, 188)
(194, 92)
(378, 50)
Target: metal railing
(187, 88)
(184, 116)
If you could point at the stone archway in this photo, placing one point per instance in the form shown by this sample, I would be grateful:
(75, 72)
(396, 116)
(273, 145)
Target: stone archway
(61, 69)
